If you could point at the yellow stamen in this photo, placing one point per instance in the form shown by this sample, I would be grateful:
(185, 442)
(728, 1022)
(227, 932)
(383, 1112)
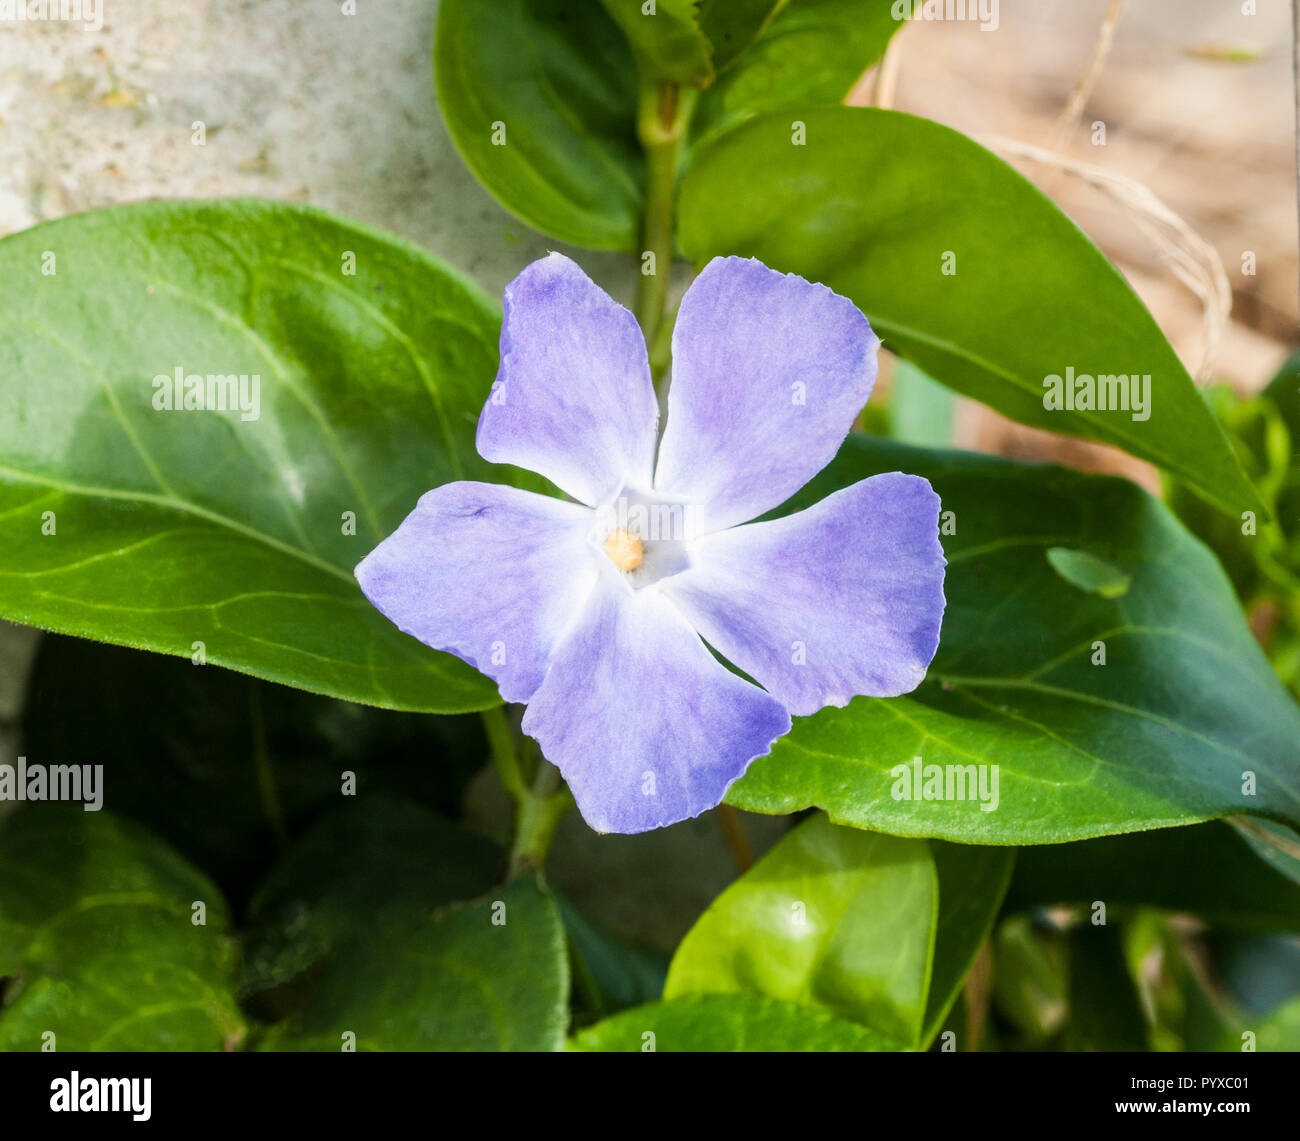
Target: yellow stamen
(627, 552)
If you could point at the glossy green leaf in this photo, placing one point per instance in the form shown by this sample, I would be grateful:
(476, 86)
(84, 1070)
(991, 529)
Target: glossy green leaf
(962, 265)
(99, 941)
(1209, 871)
(1184, 722)
(486, 975)
(199, 531)
(871, 928)
(830, 917)
(666, 39)
(727, 1023)
(540, 96)
(373, 864)
(810, 52)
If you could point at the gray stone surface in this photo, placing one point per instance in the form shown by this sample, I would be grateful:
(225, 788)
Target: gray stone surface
(300, 102)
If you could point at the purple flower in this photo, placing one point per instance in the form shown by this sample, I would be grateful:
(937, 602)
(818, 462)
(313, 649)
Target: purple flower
(597, 612)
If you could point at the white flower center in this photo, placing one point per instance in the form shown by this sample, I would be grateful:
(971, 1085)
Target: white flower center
(644, 535)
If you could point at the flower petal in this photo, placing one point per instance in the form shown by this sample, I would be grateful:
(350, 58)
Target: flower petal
(489, 573)
(573, 399)
(769, 372)
(840, 600)
(646, 725)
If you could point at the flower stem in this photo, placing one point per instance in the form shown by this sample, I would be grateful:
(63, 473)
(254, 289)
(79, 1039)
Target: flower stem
(501, 740)
(539, 815)
(742, 855)
(663, 111)
(539, 808)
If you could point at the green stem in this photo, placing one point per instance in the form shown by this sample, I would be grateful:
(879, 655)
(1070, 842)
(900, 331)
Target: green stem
(663, 111)
(539, 808)
(539, 815)
(501, 740)
(661, 351)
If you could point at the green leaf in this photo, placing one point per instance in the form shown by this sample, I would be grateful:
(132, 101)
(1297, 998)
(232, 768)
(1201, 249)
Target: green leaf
(609, 974)
(810, 52)
(1208, 871)
(1088, 572)
(175, 528)
(921, 410)
(559, 78)
(1260, 438)
(731, 26)
(486, 975)
(667, 41)
(830, 917)
(374, 864)
(1284, 391)
(1277, 846)
(220, 765)
(727, 1023)
(1262, 556)
(972, 882)
(871, 928)
(1161, 734)
(98, 939)
(876, 204)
